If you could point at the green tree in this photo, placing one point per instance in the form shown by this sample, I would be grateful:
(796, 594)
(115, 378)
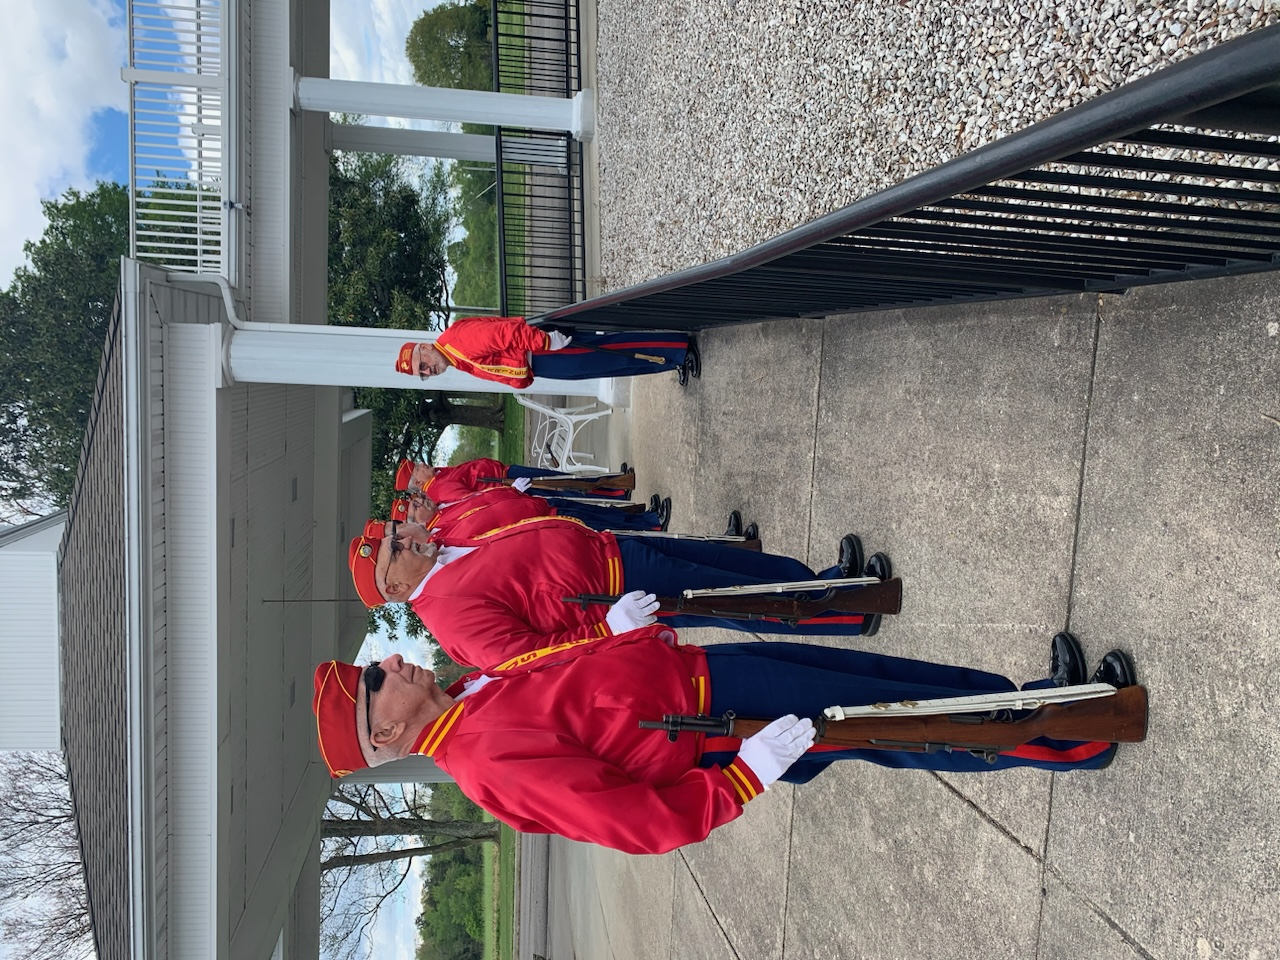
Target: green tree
(53, 322)
(369, 840)
(450, 46)
(474, 443)
(387, 238)
(474, 256)
(451, 924)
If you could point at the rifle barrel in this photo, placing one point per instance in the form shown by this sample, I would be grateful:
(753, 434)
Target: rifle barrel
(1117, 719)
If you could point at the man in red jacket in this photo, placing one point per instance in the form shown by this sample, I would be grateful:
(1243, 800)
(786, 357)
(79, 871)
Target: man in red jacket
(508, 350)
(549, 742)
(502, 592)
(447, 484)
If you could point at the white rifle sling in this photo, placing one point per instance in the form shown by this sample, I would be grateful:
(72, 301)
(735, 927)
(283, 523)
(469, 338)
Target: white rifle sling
(794, 585)
(980, 703)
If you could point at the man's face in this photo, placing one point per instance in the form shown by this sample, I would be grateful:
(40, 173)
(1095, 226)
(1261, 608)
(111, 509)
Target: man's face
(404, 703)
(423, 474)
(420, 510)
(428, 361)
(404, 558)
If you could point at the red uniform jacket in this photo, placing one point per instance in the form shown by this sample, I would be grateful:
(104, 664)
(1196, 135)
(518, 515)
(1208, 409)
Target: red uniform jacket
(454, 483)
(462, 521)
(504, 599)
(554, 746)
(493, 348)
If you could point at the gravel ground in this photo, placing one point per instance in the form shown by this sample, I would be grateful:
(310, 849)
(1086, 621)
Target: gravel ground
(725, 122)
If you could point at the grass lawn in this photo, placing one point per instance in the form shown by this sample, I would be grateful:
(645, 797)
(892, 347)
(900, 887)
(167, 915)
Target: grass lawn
(511, 441)
(500, 895)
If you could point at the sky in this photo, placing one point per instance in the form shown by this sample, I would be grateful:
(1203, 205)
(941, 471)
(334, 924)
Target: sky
(393, 935)
(64, 110)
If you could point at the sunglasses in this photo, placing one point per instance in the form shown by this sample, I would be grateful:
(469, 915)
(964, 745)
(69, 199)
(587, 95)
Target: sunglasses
(373, 677)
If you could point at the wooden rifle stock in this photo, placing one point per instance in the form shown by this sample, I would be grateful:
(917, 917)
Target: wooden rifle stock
(625, 481)
(1121, 718)
(882, 597)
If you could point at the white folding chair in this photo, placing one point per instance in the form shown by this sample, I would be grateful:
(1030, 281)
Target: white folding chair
(555, 430)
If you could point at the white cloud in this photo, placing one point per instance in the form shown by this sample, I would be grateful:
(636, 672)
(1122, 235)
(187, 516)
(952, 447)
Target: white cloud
(366, 39)
(366, 42)
(59, 64)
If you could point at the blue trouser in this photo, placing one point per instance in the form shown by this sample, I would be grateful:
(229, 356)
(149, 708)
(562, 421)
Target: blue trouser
(774, 679)
(533, 473)
(601, 517)
(616, 358)
(666, 567)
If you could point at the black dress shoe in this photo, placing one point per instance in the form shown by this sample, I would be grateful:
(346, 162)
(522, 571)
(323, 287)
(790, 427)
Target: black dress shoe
(852, 559)
(1066, 660)
(879, 567)
(870, 625)
(752, 532)
(664, 513)
(655, 503)
(692, 360)
(1116, 669)
(734, 529)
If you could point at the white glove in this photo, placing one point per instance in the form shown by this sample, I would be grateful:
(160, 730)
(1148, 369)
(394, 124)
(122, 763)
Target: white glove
(771, 751)
(632, 610)
(559, 340)
(522, 484)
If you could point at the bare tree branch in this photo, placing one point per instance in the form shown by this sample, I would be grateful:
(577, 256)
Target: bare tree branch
(43, 899)
(409, 826)
(383, 856)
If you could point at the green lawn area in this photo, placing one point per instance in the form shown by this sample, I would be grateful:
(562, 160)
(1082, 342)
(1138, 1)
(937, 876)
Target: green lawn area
(500, 895)
(511, 440)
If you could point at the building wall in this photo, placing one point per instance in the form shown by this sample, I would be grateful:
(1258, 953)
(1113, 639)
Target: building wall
(30, 701)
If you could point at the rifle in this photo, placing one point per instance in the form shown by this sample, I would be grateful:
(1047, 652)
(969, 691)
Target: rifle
(1119, 717)
(871, 596)
(652, 358)
(623, 481)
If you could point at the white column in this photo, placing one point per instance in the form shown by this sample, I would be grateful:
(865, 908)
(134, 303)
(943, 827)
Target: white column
(353, 357)
(576, 114)
(413, 143)
(411, 769)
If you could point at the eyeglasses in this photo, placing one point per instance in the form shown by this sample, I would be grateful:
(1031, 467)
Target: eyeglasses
(396, 545)
(373, 677)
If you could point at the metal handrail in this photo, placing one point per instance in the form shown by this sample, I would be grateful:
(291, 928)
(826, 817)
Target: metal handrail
(1180, 93)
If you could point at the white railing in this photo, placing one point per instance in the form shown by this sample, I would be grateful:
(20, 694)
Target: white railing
(178, 152)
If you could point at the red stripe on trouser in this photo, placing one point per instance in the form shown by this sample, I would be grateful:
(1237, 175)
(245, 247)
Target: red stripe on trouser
(1085, 751)
(616, 347)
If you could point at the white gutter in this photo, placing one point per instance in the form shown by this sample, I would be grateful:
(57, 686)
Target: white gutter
(137, 583)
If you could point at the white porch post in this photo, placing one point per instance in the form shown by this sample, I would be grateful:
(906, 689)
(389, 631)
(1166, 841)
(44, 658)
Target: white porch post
(353, 357)
(576, 114)
(413, 143)
(411, 769)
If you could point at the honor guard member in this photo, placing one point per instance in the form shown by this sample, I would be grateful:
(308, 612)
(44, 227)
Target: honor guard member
(508, 350)
(596, 516)
(446, 484)
(550, 742)
(503, 593)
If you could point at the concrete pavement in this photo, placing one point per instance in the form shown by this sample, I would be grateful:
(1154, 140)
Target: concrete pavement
(1109, 465)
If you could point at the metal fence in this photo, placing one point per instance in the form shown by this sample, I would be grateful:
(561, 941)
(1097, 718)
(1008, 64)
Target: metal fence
(1172, 177)
(542, 261)
(177, 105)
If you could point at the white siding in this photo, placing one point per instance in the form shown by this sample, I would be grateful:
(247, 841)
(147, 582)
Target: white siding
(190, 425)
(30, 699)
